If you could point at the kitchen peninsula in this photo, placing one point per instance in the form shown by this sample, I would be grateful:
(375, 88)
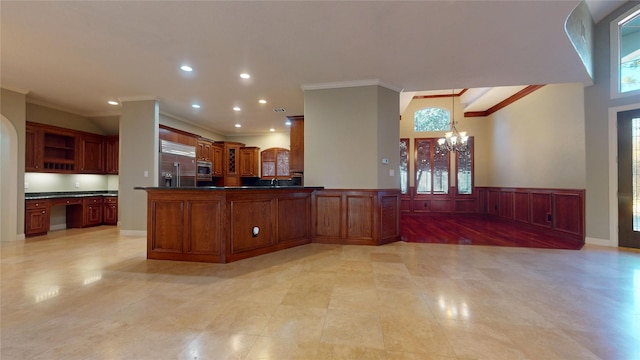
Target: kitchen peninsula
(224, 224)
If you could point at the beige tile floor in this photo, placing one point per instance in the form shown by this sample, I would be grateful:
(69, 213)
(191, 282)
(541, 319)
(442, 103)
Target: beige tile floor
(91, 294)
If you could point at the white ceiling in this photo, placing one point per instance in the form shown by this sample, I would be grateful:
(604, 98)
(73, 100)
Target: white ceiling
(78, 55)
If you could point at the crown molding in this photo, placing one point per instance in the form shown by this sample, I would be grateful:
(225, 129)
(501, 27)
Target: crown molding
(504, 103)
(138, 98)
(346, 84)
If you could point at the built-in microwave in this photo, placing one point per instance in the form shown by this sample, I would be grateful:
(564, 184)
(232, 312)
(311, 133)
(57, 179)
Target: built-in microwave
(203, 170)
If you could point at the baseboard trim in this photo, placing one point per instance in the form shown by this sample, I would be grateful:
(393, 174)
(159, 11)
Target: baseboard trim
(134, 233)
(596, 241)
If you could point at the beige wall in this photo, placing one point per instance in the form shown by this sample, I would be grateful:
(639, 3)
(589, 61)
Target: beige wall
(280, 139)
(388, 135)
(46, 115)
(539, 141)
(13, 107)
(341, 137)
(138, 154)
(167, 120)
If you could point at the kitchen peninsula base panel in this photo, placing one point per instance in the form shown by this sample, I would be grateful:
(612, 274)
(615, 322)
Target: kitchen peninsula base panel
(356, 217)
(225, 224)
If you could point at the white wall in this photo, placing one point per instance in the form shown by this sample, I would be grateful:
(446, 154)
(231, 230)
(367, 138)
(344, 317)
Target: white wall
(276, 139)
(46, 182)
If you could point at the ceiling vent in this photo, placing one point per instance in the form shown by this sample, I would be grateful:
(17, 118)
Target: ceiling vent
(279, 110)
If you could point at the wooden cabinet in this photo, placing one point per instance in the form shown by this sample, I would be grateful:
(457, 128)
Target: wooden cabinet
(36, 220)
(33, 148)
(112, 151)
(274, 163)
(217, 160)
(58, 150)
(91, 155)
(249, 165)
(296, 160)
(110, 210)
(88, 213)
(230, 164)
(204, 150)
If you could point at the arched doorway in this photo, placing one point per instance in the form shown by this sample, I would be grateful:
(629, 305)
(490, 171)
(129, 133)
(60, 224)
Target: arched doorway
(8, 180)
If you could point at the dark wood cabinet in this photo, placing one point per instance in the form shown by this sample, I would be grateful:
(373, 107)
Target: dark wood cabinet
(33, 148)
(91, 155)
(112, 151)
(110, 211)
(274, 163)
(37, 217)
(58, 150)
(204, 150)
(296, 160)
(93, 211)
(249, 165)
(217, 160)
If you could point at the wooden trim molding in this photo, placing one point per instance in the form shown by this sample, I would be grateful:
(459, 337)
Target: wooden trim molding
(418, 97)
(504, 103)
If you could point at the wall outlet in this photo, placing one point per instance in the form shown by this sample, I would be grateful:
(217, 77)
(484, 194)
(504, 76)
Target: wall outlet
(26, 185)
(392, 172)
(146, 173)
(77, 184)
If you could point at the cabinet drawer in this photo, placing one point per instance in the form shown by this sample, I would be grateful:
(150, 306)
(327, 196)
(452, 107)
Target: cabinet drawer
(37, 204)
(111, 200)
(66, 201)
(92, 200)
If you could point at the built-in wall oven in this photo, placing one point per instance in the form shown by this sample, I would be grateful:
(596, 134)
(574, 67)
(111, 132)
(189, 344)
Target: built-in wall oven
(203, 170)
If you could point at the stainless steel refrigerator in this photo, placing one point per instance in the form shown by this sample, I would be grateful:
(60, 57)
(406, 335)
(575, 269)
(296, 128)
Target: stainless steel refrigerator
(177, 165)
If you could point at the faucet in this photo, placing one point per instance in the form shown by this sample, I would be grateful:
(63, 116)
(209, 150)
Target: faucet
(274, 182)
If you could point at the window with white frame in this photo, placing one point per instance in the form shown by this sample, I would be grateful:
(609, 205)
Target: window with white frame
(625, 54)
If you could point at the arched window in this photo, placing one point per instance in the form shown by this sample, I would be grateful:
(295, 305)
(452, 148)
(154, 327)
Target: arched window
(431, 119)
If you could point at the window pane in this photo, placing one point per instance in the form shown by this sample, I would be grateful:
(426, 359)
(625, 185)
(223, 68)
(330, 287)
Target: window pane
(465, 182)
(423, 167)
(630, 55)
(404, 165)
(635, 171)
(431, 119)
(440, 172)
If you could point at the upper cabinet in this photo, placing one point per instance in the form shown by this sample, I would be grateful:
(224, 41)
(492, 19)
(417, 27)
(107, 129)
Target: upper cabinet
(217, 166)
(249, 166)
(204, 150)
(91, 154)
(296, 159)
(112, 150)
(274, 163)
(59, 150)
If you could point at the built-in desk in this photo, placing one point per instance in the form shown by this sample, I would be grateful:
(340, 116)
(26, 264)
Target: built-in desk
(83, 209)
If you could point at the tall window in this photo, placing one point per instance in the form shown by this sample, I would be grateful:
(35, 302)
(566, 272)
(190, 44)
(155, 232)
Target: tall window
(404, 165)
(625, 54)
(464, 169)
(432, 167)
(635, 161)
(431, 119)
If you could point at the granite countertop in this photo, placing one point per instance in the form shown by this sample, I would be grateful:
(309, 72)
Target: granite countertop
(285, 187)
(67, 194)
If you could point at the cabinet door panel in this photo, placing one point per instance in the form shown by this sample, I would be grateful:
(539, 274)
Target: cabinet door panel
(204, 235)
(92, 155)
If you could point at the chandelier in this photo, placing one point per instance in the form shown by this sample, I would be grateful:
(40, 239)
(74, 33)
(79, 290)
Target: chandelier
(453, 140)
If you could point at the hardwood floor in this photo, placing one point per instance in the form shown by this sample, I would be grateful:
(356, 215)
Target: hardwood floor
(478, 230)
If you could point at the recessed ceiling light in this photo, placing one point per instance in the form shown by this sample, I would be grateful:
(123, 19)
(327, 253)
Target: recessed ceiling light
(272, 129)
(245, 76)
(236, 108)
(186, 68)
(113, 102)
(195, 106)
(288, 123)
(262, 101)
(238, 125)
